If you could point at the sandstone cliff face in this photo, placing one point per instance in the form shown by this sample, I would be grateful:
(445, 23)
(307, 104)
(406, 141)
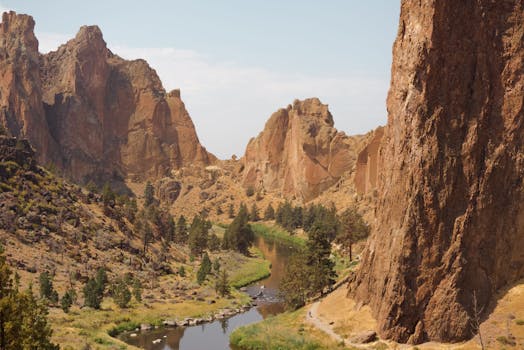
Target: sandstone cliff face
(368, 164)
(92, 113)
(21, 109)
(450, 212)
(299, 152)
(131, 125)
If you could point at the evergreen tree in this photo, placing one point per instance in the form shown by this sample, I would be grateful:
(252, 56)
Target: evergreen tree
(239, 235)
(121, 294)
(214, 242)
(46, 286)
(182, 271)
(294, 286)
(181, 230)
(254, 216)
(216, 265)
(204, 270)
(67, 300)
(23, 318)
(149, 194)
(318, 253)
(222, 284)
(269, 214)
(92, 295)
(147, 234)
(353, 228)
(170, 229)
(137, 290)
(198, 235)
(231, 211)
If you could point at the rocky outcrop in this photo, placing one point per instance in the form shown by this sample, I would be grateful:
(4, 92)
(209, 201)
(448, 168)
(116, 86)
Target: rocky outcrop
(106, 117)
(299, 153)
(368, 164)
(132, 126)
(450, 214)
(21, 108)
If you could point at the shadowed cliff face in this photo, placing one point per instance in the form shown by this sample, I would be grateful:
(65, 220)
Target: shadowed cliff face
(450, 212)
(109, 117)
(299, 153)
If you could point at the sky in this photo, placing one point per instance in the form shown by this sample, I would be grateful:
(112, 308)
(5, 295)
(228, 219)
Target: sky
(237, 61)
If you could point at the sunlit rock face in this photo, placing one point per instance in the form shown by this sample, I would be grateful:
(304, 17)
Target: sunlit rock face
(450, 213)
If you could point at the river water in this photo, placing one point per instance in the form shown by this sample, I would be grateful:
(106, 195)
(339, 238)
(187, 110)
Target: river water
(215, 335)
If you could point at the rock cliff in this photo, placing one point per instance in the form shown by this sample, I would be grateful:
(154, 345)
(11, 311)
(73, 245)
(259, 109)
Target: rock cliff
(21, 108)
(107, 117)
(299, 153)
(368, 164)
(450, 212)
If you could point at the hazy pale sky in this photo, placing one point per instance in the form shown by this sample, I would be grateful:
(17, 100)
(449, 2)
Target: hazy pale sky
(238, 61)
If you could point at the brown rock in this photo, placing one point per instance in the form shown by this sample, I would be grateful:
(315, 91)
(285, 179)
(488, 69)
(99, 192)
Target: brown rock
(368, 164)
(299, 153)
(133, 126)
(92, 113)
(21, 108)
(450, 216)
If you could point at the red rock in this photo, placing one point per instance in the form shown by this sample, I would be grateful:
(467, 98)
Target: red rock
(92, 113)
(450, 218)
(299, 153)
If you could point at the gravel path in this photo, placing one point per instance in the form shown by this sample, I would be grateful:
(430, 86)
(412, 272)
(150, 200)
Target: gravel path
(312, 316)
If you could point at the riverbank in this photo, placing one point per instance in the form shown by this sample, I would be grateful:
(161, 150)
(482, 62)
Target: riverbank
(172, 297)
(273, 231)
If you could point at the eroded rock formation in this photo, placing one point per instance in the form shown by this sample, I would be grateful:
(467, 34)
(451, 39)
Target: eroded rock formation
(450, 211)
(109, 117)
(299, 153)
(21, 108)
(368, 164)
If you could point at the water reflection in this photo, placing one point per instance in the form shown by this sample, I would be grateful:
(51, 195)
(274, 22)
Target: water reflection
(215, 335)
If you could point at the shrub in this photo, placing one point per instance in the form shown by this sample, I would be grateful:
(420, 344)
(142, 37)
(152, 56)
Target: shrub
(250, 191)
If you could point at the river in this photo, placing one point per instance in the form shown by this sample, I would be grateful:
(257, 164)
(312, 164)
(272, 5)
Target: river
(215, 335)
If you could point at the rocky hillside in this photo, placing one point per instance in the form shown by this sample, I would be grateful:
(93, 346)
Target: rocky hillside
(92, 113)
(450, 216)
(299, 153)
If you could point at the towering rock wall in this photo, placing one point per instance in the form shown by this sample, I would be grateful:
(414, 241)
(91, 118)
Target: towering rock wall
(107, 117)
(451, 212)
(299, 153)
(21, 108)
(368, 164)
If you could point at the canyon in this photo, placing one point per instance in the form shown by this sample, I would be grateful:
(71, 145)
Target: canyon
(441, 184)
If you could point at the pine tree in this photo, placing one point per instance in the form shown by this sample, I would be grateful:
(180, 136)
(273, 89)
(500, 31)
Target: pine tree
(149, 194)
(294, 286)
(23, 318)
(239, 235)
(214, 242)
(254, 216)
(121, 294)
(67, 300)
(137, 290)
(231, 211)
(269, 214)
(222, 284)
(204, 270)
(318, 253)
(216, 265)
(92, 295)
(181, 235)
(198, 235)
(182, 271)
(46, 286)
(353, 228)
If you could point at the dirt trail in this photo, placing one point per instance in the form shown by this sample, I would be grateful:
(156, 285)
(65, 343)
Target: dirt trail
(312, 317)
